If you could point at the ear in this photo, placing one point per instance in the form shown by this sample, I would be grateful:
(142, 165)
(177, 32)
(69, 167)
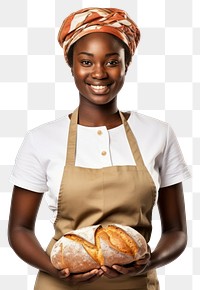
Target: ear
(126, 69)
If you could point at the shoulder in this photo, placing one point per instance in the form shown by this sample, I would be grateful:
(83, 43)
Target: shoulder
(52, 125)
(146, 121)
(51, 129)
(141, 122)
(150, 131)
(48, 136)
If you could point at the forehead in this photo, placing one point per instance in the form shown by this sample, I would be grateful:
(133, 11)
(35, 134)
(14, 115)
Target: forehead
(98, 40)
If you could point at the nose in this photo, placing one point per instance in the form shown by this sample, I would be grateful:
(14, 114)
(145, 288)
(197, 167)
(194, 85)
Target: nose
(99, 72)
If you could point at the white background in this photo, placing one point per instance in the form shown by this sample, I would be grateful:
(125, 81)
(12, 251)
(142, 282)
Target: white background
(36, 86)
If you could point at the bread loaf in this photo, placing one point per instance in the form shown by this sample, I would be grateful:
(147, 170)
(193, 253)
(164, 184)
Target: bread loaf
(92, 247)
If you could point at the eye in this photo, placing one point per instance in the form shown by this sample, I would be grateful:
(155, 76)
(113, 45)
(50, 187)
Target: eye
(86, 62)
(113, 62)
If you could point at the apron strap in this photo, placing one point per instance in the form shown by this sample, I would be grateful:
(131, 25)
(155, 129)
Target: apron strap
(132, 142)
(72, 137)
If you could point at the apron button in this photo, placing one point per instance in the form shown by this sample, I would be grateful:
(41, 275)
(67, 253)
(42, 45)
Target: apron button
(103, 153)
(99, 132)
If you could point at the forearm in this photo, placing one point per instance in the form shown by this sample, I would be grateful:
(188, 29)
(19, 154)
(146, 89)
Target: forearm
(170, 246)
(27, 247)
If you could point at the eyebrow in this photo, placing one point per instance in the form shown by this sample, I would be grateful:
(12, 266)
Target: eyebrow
(91, 54)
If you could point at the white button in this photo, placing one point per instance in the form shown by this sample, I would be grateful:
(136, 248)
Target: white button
(99, 132)
(103, 153)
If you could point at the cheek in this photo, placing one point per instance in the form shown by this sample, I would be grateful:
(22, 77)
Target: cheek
(79, 78)
(121, 75)
(79, 72)
(123, 70)
(120, 72)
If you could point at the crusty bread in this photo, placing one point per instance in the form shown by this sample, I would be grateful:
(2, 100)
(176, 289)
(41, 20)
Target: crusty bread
(92, 247)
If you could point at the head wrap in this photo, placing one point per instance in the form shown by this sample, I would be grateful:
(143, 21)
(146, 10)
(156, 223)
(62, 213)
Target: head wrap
(89, 20)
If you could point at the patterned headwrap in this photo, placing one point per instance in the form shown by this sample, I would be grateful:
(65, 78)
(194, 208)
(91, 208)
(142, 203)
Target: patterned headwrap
(88, 20)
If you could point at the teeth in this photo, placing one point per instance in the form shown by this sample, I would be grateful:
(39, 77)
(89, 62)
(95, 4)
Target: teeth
(98, 87)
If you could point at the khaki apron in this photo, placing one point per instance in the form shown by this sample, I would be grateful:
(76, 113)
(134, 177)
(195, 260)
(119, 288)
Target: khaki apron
(115, 194)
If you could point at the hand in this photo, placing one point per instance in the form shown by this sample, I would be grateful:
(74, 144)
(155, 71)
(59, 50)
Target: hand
(80, 278)
(132, 269)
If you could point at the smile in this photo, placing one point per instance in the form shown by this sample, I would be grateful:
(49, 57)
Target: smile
(99, 89)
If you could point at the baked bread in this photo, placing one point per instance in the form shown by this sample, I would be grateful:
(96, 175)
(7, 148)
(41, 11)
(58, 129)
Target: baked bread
(92, 247)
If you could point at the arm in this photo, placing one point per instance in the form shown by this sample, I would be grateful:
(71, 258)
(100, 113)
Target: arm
(21, 235)
(173, 238)
(173, 221)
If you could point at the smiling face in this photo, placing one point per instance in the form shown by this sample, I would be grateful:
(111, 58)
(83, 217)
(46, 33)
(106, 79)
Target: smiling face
(98, 68)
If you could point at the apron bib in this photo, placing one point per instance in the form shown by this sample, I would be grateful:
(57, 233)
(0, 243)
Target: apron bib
(115, 194)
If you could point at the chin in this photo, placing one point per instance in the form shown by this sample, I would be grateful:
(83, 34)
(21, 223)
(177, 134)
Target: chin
(100, 100)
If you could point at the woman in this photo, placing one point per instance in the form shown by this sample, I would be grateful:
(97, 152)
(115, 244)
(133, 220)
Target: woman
(133, 160)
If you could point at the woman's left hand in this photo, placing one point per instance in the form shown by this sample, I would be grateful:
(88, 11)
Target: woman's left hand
(132, 269)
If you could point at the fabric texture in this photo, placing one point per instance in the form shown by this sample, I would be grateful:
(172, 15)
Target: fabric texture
(88, 20)
(103, 196)
(41, 158)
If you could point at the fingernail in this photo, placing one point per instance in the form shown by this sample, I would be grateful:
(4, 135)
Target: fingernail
(101, 272)
(67, 272)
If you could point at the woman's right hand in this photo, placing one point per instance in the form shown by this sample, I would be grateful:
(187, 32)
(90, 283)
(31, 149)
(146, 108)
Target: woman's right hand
(80, 278)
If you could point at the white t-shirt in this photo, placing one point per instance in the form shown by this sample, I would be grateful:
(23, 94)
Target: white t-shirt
(41, 158)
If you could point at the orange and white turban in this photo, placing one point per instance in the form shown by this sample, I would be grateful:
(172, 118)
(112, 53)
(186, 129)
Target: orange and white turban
(89, 20)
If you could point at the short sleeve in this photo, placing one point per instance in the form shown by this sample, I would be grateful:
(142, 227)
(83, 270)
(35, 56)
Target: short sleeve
(173, 168)
(28, 171)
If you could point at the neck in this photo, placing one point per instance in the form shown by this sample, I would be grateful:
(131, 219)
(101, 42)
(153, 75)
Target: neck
(99, 115)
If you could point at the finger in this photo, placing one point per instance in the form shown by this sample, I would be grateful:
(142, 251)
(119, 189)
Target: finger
(146, 256)
(141, 262)
(64, 273)
(121, 270)
(94, 278)
(84, 277)
(140, 268)
(110, 272)
(131, 271)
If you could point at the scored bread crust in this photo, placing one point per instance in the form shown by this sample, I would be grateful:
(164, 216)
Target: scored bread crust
(92, 247)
